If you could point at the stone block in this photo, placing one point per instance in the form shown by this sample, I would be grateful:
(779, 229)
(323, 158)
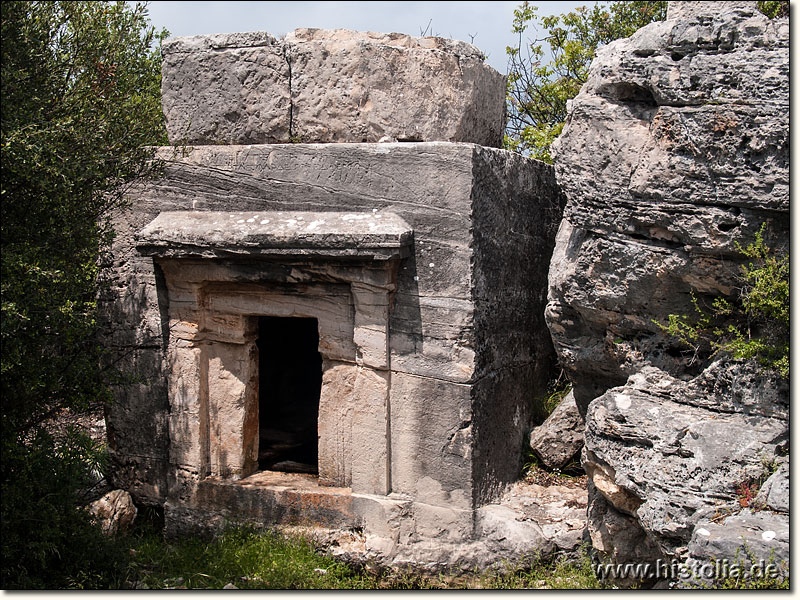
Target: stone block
(360, 87)
(329, 86)
(431, 440)
(233, 409)
(184, 363)
(369, 440)
(335, 427)
(226, 88)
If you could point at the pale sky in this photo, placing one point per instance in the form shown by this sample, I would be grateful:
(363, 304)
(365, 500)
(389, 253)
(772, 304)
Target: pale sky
(489, 23)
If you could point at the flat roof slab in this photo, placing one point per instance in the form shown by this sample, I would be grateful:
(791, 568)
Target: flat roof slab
(373, 235)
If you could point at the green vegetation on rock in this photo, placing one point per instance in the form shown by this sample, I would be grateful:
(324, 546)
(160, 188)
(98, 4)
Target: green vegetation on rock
(755, 323)
(774, 8)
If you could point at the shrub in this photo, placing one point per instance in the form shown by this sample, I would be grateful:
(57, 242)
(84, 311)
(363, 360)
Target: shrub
(48, 539)
(755, 323)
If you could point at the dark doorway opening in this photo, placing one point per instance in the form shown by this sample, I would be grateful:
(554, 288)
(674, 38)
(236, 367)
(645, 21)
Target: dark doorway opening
(289, 383)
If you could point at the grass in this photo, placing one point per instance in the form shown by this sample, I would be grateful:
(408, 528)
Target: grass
(253, 559)
(557, 393)
(246, 558)
(543, 405)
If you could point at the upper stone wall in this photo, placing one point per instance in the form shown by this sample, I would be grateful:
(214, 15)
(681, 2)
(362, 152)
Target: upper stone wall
(329, 86)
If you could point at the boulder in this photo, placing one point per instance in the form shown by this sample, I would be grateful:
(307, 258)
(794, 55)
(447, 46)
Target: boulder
(669, 453)
(674, 153)
(325, 86)
(676, 148)
(114, 512)
(560, 438)
(755, 543)
(774, 494)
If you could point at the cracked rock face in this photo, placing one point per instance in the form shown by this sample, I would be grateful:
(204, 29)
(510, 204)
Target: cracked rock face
(676, 148)
(669, 453)
(324, 86)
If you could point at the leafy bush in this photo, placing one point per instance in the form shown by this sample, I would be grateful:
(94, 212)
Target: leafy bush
(81, 108)
(755, 324)
(774, 8)
(48, 539)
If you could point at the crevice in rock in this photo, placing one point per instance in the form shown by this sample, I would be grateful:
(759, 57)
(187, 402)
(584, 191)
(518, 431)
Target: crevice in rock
(660, 242)
(627, 92)
(287, 58)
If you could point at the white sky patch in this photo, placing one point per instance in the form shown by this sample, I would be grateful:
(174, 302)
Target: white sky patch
(487, 25)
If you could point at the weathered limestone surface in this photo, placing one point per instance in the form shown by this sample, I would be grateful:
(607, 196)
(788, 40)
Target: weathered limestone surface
(329, 86)
(526, 522)
(230, 234)
(749, 538)
(669, 453)
(676, 148)
(774, 494)
(560, 438)
(463, 340)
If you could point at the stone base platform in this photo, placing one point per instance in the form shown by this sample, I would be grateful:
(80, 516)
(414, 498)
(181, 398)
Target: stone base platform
(393, 531)
(263, 497)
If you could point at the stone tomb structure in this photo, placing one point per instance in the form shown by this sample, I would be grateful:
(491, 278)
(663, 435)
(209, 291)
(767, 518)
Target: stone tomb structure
(347, 333)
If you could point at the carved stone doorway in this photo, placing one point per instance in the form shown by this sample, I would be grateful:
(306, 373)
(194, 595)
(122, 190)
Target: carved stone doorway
(318, 286)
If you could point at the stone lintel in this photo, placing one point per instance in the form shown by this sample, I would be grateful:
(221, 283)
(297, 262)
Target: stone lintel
(285, 234)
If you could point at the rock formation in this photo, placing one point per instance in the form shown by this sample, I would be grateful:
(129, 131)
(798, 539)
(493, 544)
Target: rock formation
(114, 512)
(676, 148)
